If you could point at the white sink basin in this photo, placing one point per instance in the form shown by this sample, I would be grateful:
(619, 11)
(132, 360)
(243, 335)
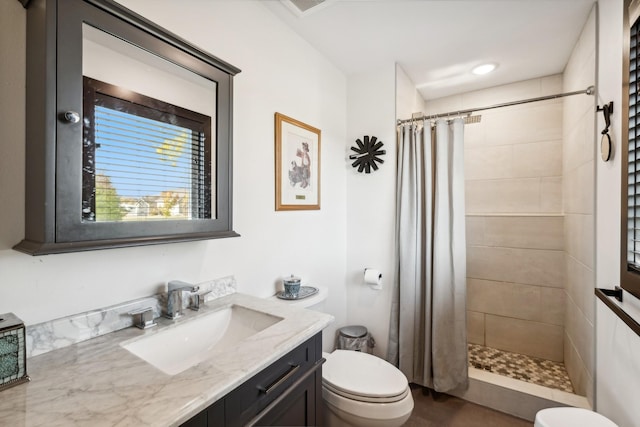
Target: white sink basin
(178, 348)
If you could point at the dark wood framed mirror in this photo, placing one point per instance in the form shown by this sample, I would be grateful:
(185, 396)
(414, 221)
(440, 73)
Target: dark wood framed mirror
(129, 132)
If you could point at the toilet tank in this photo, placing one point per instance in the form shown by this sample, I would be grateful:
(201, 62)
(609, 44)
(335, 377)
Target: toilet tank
(315, 302)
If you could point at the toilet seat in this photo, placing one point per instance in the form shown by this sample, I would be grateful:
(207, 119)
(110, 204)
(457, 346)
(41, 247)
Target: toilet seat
(363, 377)
(571, 417)
(369, 414)
(388, 399)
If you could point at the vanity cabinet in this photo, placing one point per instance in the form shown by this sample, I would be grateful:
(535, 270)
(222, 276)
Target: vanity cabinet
(288, 392)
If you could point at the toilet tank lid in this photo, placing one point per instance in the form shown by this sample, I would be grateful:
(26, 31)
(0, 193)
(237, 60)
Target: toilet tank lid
(307, 302)
(363, 374)
(571, 417)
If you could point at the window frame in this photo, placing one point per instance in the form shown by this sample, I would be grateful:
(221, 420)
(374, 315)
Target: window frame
(629, 276)
(53, 220)
(101, 94)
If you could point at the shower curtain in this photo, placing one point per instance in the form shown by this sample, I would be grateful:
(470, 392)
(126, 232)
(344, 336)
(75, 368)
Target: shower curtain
(428, 338)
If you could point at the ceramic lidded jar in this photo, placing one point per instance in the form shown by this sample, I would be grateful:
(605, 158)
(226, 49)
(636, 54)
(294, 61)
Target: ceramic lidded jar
(291, 286)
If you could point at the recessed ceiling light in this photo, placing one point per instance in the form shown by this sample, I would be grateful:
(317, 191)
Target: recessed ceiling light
(483, 69)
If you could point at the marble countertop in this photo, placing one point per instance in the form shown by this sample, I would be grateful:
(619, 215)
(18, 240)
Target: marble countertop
(99, 383)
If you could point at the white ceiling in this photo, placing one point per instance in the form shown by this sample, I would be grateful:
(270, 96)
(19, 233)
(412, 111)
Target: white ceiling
(438, 42)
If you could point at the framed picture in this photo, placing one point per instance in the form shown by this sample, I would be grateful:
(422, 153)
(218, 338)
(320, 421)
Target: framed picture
(297, 165)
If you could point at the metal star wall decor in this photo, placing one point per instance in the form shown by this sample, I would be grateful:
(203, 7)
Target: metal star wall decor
(368, 153)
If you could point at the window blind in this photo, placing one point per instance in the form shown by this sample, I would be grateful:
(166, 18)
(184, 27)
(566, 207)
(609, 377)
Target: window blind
(633, 183)
(144, 162)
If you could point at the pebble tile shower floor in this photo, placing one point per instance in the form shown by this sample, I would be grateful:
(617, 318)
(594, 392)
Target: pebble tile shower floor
(525, 368)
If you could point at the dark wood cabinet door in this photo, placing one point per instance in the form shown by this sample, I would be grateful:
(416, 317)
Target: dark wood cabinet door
(297, 406)
(213, 416)
(199, 420)
(258, 393)
(287, 393)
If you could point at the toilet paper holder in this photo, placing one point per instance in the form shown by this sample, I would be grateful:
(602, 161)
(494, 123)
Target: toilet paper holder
(373, 278)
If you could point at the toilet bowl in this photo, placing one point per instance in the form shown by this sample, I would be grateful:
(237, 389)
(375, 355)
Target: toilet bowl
(360, 389)
(571, 417)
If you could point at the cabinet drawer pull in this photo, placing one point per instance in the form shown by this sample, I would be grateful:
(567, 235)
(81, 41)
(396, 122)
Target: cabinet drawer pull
(268, 389)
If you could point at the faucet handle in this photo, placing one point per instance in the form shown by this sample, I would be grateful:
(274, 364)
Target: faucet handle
(197, 299)
(143, 317)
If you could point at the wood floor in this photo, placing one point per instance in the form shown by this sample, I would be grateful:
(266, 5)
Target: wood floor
(441, 410)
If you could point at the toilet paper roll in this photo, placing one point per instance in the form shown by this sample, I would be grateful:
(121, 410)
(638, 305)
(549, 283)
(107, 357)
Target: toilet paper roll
(373, 278)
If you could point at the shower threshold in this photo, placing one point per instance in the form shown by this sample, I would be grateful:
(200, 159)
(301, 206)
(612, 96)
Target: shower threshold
(520, 367)
(514, 396)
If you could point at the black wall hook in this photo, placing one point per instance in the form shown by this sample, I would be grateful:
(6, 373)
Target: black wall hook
(605, 141)
(607, 111)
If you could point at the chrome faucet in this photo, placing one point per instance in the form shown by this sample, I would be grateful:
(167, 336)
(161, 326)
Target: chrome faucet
(175, 289)
(196, 300)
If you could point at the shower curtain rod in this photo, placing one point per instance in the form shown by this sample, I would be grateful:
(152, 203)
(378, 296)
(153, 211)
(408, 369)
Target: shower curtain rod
(588, 91)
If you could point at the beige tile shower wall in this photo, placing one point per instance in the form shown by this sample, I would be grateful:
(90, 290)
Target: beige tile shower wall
(515, 283)
(516, 261)
(578, 204)
(515, 246)
(513, 160)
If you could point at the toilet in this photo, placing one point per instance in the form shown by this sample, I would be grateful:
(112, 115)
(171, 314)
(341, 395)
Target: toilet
(571, 417)
(360, 389)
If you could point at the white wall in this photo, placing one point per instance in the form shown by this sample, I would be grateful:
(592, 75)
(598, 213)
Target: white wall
(617, 371)
(578, 170)
(375, 100)
(608, 174)
(371, 202)
(408, 99)
(280, 73)
(618, 376)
